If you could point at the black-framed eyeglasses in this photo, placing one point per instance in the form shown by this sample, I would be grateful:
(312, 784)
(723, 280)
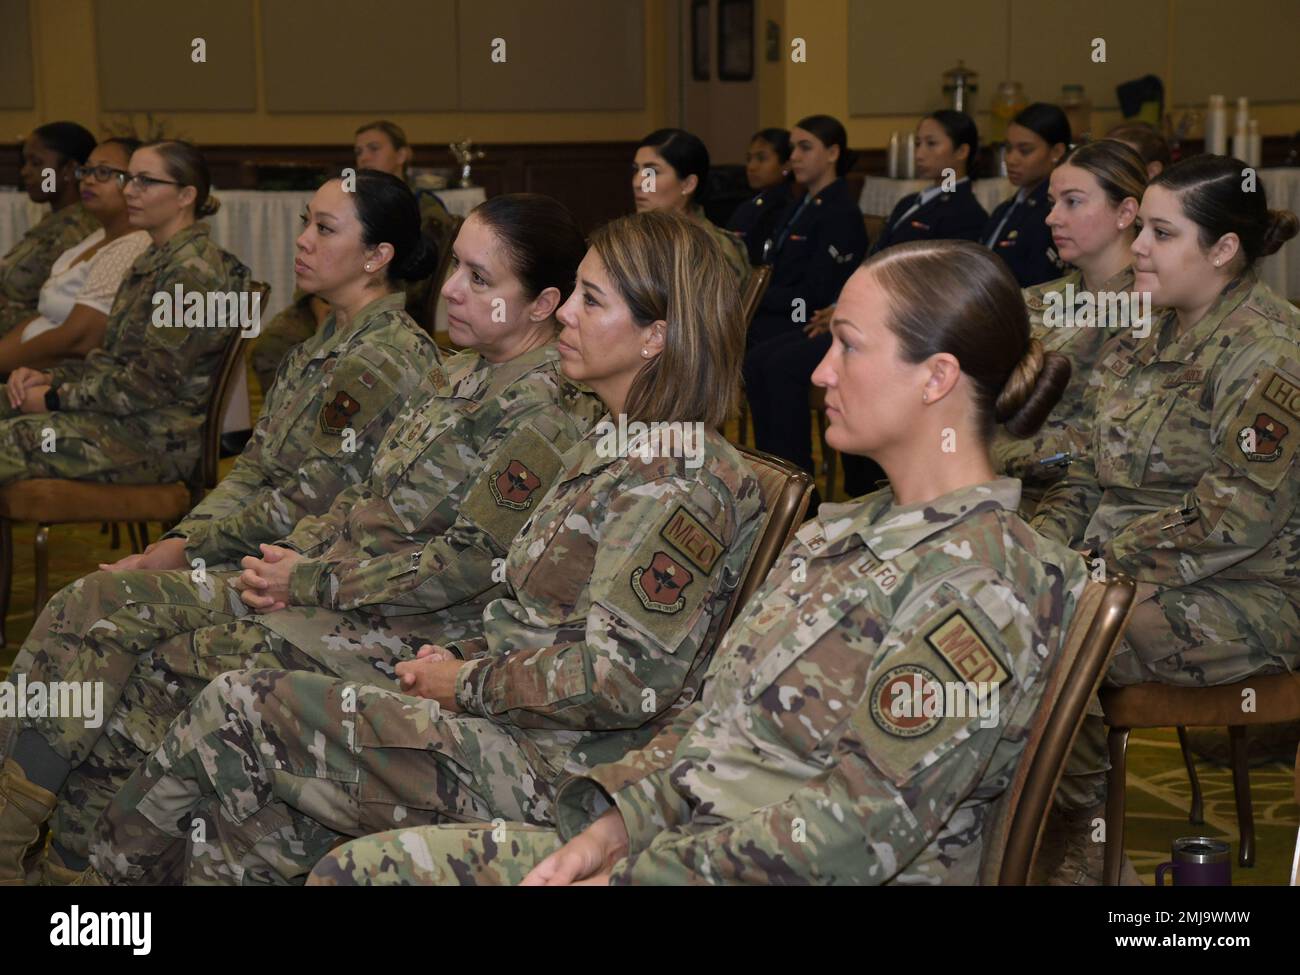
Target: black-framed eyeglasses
(141, 181)
(102, 174)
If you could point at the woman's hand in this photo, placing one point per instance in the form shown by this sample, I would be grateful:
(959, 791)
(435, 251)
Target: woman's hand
(23, 378)
(167, 553)
(431, 675)
(821, 322)
(264, 583)
(587, 859)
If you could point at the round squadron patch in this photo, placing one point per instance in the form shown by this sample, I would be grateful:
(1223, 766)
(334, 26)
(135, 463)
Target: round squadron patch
(902, 701)
(515, 486)
(337, 414)
(661, 584)
(1262, 440)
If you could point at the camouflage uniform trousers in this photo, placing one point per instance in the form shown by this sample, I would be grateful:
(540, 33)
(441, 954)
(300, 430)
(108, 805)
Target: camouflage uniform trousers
(154, 640)
(86, 446)
(457, 854)
(268, 770)
(1211, 633)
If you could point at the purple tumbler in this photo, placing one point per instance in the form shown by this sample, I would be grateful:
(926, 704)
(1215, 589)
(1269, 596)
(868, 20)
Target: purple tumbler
(1198, 861)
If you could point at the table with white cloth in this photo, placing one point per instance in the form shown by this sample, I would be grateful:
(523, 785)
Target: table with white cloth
(1281, 185)
(257, 227)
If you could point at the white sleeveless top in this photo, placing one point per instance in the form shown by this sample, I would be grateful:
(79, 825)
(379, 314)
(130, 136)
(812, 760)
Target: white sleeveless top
(92, 282)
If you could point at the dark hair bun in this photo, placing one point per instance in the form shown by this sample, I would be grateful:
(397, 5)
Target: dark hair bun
(418, 262)
(1031, 391)
(209, 206)
(1282, 226)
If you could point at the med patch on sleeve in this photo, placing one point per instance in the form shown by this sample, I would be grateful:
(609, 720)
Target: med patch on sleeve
(661, 586)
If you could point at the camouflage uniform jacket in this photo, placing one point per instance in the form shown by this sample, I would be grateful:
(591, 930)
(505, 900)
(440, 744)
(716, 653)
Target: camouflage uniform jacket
(1038, 460)
(797, 765)
(457, 474)
(320, 428)
(619, 583)
(156, 379)
(1189, 473)
(25, 268)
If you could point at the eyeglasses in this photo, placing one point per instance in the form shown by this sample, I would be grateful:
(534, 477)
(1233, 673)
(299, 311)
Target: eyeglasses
(141, 181)
(102, 174)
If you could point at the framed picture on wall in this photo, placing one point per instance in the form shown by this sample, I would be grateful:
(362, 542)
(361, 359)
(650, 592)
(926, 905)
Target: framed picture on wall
(735, 40)
(700, 40)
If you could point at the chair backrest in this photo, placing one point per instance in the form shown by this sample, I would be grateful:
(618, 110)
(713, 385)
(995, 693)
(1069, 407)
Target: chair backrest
(754, 290)
(786, 493)
(1012, 831)
(218, 399)
(439, 275)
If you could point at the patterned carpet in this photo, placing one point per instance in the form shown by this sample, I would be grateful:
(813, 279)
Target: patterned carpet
(1158, 790)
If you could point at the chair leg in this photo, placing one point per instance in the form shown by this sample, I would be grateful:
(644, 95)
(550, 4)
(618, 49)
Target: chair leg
(6, 572)
(1117, 740)
(1196, 816)
(1241, 789)
(116, 541)
(144, 535)
(41, 546)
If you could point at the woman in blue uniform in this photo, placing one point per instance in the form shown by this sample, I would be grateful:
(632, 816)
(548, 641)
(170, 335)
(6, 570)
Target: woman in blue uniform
(768, 171)
(821, 242)
(1037, 139)
(946, 145)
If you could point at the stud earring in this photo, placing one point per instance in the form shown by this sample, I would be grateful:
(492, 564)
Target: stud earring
(368, 267)
(645, 353)
(925, 397)
(1216, 263)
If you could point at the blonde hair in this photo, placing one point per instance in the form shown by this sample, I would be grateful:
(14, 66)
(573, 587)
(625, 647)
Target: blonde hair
(667, 268)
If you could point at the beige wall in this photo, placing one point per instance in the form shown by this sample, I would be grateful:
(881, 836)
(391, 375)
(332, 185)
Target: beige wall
(822, 84)
(66, 86)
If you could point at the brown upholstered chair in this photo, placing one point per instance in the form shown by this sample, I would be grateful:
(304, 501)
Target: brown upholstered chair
(430, 323)
(1276, 698)
(1012, 834)
(752, 294)
(786, 492)
(55, 501)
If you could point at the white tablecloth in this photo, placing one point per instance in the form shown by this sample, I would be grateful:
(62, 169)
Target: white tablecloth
(1282, 185)
(259, 228)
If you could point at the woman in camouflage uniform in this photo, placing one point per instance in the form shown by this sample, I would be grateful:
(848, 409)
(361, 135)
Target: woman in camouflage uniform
(1187, 483)
(414, 544)
(377, 145)
(615, 592)
(827, 747)
(1094, 197)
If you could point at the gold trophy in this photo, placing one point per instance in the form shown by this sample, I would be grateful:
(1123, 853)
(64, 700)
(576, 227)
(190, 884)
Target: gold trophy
(466, 155)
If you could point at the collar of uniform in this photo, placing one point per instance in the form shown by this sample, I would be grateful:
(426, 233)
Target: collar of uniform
(331, 339)
(938, 192)
(1120, 281)
(1186, 346)
(889, 531)
(1036, 196)
(487, 379)
(155, 257)
(773, 196)
(56, 220)
(836, 191)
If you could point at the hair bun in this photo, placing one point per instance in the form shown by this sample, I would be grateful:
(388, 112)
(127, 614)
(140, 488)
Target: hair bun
(419, 262)
(1032, 390)
(210, 206)
(1282, 226)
